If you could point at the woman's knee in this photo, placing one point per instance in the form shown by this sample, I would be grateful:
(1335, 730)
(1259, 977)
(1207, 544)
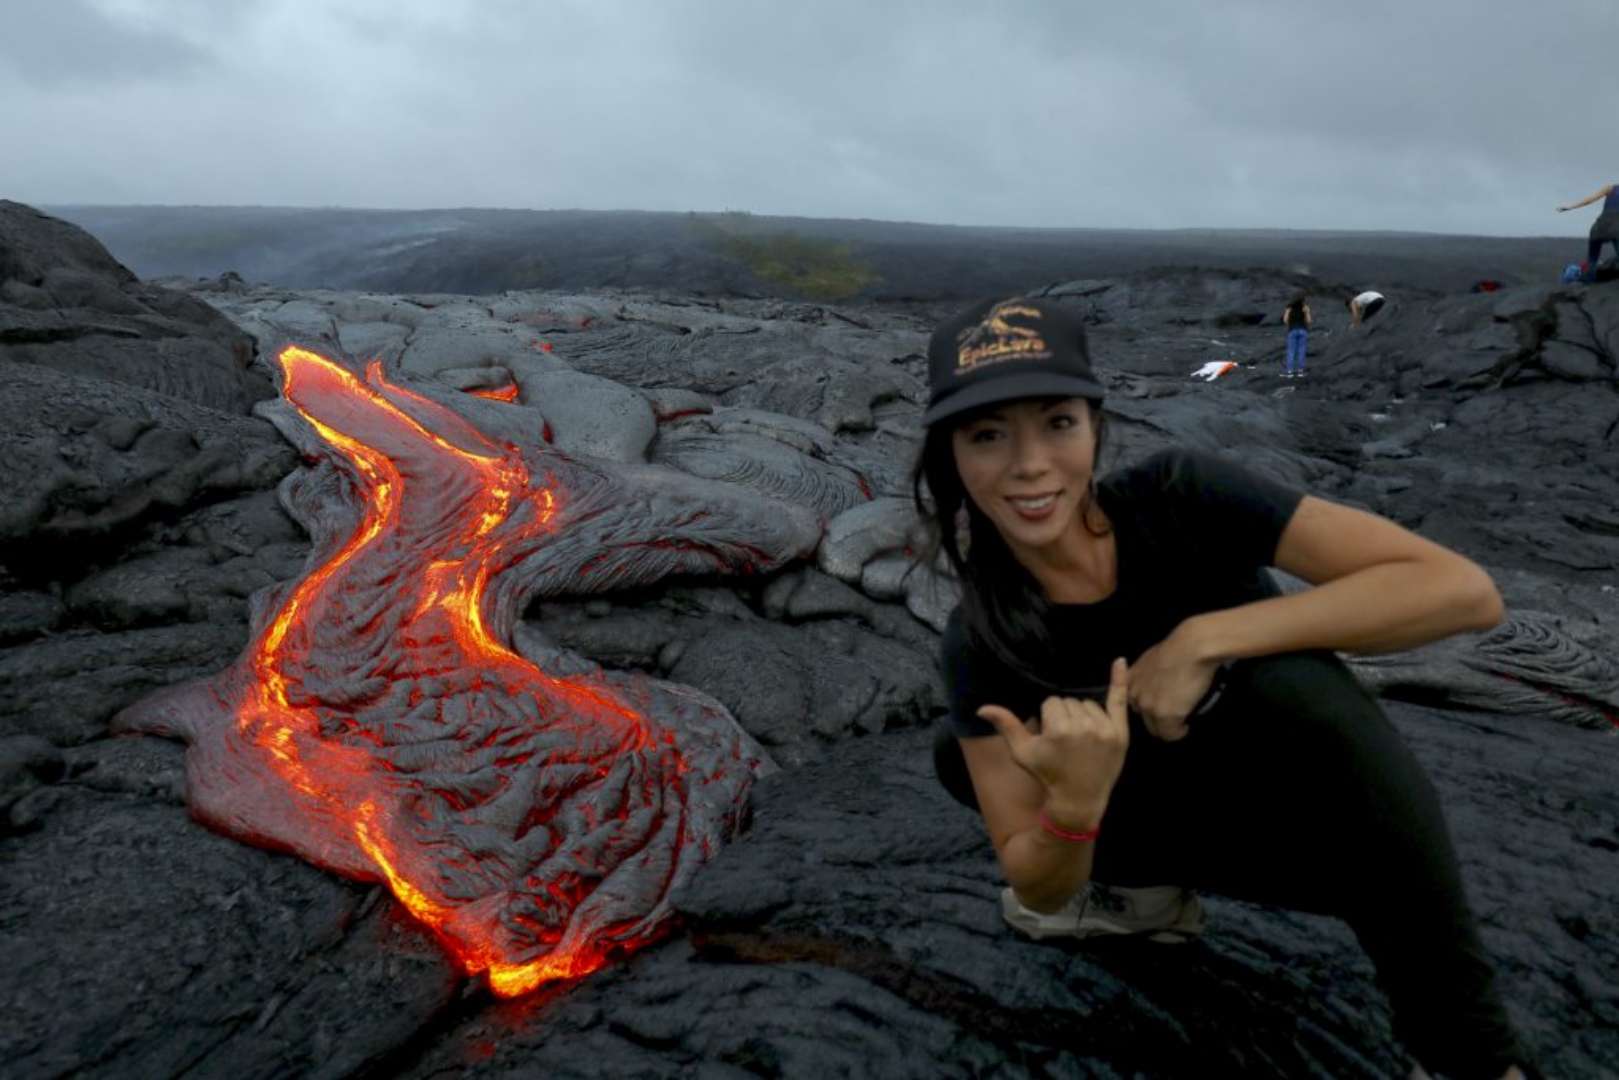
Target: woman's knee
(1303, 696)
(1307, 723)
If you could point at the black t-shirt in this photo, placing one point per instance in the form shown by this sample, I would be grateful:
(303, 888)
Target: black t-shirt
(1193, 533)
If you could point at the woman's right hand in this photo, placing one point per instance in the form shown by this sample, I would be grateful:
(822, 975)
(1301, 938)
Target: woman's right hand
(1079, 751)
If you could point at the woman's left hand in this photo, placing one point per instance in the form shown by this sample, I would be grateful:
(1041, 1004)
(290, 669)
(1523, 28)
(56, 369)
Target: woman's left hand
(1167, 682)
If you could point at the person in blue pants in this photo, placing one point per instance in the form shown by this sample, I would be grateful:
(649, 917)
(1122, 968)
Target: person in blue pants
(1296, 317)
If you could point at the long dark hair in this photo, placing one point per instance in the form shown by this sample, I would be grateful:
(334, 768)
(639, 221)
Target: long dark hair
(1295, 310)
(1003, 607)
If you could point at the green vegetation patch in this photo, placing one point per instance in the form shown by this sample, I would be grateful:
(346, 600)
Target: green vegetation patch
(818, 269)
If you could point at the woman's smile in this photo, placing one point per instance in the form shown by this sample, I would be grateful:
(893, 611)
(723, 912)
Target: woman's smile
(1034, 507)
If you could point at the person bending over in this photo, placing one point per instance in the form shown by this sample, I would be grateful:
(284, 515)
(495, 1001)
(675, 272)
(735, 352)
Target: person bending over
(1363, 306)
(1131, 699)
(1605, 229)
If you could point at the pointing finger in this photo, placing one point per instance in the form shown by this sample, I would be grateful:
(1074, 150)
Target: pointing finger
(1118, 691)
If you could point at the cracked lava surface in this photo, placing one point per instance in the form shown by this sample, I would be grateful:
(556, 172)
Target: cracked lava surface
(536, 815)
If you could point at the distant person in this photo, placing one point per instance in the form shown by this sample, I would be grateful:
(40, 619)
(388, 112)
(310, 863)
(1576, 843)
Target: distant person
(1234, 752)
(1605, 229)
(1363, 306)
(1296, 317)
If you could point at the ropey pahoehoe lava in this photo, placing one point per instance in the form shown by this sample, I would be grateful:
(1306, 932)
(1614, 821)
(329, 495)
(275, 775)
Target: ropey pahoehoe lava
(389, 722)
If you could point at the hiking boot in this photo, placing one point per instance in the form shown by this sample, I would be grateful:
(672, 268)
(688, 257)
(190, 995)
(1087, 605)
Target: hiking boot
(1167, 914)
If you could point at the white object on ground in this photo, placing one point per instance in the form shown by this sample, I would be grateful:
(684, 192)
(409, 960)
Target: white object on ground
(1213, 370)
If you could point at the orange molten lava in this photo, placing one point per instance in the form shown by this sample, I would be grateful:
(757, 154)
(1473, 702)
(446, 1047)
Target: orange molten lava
(499, 393)
(436, 611)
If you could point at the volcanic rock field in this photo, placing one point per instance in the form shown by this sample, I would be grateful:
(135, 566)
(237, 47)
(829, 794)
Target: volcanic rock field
(724, 550)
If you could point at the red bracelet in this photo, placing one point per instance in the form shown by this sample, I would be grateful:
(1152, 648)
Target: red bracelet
(1068, 834)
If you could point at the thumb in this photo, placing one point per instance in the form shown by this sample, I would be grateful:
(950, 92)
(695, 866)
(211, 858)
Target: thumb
(1007, 723)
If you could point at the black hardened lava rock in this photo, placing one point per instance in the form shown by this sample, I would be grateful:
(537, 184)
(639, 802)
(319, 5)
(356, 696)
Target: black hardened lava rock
(146, 515)
(855, 931)
(65, 304)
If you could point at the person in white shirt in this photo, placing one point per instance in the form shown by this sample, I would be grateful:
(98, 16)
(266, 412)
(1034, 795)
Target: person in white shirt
(1363, 306)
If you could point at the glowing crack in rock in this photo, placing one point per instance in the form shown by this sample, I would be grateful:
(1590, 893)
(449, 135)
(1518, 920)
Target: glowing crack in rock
(535, 810)
(498, 393)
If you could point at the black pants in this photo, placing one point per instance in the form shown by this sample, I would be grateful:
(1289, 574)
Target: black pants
(1604, 230)
(1593, 251)
(1296, 791)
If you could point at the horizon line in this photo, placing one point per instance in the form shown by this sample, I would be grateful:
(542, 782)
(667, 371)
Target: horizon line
(327, 208)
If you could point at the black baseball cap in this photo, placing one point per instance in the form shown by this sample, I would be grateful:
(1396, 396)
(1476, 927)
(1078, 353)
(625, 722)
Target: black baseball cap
(1004, 350)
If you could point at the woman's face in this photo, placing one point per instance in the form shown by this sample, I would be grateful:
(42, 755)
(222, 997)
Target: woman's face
(1027, 465)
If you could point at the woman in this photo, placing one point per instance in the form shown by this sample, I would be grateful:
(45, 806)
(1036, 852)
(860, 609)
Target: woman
(1605, 229)
(1146, 589)
(1296, 317)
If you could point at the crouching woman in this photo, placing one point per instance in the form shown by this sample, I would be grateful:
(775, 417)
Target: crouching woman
(1133, 701)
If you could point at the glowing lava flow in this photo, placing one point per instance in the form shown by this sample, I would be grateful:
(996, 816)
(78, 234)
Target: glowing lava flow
(447, 611)
(379, 724)
(500, 393)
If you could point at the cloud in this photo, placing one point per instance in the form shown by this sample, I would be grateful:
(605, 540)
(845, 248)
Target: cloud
(1379, 115)
(78, 43)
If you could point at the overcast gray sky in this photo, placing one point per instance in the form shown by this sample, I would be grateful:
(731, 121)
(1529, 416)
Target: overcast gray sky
(1474, 116)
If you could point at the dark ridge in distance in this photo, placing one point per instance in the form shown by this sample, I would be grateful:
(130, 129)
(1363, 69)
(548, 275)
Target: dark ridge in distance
(732, 253)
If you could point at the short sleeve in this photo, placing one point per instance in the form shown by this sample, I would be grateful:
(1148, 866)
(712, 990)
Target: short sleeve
(1227, 508)
(970, 679)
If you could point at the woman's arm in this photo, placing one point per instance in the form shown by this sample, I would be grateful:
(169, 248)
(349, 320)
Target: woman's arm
(1043, 870)
(1379, 588)
(1065, 773)
(1603, 194)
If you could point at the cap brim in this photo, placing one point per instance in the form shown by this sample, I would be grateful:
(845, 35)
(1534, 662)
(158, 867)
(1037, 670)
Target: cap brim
(1012, 388)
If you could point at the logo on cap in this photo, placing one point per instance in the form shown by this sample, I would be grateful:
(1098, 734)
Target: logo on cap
(996, 338)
